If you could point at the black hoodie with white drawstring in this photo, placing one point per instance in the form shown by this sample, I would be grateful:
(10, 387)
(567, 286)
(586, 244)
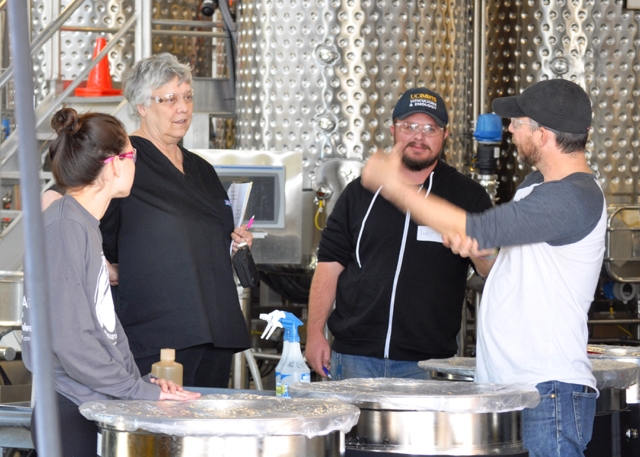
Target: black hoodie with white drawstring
(401, 293)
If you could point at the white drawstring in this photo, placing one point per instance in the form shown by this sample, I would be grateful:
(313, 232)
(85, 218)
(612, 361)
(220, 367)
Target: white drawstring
(362, 226)
(398, 268)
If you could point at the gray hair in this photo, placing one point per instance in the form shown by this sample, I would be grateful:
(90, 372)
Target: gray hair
(151, 73)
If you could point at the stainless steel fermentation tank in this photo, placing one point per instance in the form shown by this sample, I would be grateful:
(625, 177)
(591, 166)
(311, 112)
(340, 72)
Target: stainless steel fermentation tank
(323, 76)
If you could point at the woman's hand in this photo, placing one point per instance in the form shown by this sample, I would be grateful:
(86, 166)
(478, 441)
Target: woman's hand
(169, 390)
(240, 235)
(112, 268)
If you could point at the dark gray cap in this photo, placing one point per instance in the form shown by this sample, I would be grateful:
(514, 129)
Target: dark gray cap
(557, 103)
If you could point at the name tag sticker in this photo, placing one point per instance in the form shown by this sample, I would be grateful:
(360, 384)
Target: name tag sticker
(426, 233)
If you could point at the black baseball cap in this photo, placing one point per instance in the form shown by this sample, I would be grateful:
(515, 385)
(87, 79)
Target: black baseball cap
(557, 103)
(421, 100)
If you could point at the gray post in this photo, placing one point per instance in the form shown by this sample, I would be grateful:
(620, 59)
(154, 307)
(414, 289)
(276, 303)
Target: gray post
(37, 280)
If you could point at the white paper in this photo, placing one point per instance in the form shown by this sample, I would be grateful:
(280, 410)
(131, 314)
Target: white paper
(239, 197)
(426, 233)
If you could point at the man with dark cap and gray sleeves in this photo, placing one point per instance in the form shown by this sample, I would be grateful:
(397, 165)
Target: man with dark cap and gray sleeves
(533, 315)
(398, 291)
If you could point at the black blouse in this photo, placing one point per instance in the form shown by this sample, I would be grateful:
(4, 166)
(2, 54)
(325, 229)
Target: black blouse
(171, 239)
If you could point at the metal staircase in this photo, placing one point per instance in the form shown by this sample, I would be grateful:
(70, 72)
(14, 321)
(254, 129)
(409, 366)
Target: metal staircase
(215, 95)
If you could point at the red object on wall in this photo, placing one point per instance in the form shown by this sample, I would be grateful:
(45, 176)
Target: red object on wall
(99, 83)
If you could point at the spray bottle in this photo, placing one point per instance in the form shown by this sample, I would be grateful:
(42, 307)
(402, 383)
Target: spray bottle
(292, 367)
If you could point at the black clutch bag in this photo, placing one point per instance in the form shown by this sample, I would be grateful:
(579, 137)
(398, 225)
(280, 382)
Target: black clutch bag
(245, 266)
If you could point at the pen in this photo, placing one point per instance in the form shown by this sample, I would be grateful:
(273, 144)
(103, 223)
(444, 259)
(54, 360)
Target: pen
(250, 223)
(326, 372)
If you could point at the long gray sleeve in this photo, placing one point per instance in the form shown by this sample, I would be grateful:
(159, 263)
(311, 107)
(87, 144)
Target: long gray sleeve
(557, 212)
(92, 356)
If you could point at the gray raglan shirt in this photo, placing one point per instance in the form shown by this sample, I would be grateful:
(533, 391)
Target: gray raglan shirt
(92, 360)
(557, 212)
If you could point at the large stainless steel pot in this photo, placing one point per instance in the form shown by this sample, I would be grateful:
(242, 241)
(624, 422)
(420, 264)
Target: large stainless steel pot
(437, 433)
(402, 416)
(134, 444)
(11, 294)
(621, 354)
(613, 418)
(223, 426)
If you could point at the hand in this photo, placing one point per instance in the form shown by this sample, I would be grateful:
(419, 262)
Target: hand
(169, 390)
(467, 247)
(318, 353)
(240, 235)
(383, 170)
(112, 268)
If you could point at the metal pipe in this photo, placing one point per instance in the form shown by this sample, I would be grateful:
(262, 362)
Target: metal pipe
(192, 33)
(44, 36)
(34, 260)
(253, 368)
(265, 356)
(478, 61)
(202, 24)
(77, 28)
(4, 273)
(613, 321)
(143, 30)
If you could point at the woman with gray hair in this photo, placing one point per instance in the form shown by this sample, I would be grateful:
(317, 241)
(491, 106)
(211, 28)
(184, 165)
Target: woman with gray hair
(168, 241)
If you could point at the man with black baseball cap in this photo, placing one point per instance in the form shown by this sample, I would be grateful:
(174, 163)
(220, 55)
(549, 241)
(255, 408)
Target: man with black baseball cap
(533, 316)
(398, 291)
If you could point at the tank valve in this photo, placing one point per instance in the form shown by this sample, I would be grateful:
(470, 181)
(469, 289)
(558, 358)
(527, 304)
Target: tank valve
(632, 434)
(323, 193)
(488, 136)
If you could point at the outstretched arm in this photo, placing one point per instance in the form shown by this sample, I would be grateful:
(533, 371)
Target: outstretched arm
(384, 170)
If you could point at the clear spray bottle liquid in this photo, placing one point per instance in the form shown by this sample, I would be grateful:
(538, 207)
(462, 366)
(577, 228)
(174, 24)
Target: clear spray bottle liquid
(285, 354)
(167, 368)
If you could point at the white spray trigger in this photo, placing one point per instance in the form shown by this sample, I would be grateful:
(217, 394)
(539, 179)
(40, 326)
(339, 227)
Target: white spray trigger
(273, 322)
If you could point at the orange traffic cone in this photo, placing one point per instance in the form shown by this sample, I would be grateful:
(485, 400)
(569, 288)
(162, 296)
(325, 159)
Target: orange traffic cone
(99, 83)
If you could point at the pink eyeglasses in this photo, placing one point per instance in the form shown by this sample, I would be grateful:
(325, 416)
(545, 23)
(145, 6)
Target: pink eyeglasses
(123, 155)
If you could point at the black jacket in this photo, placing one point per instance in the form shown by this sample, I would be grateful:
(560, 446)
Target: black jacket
(171, 239)
(430, 290)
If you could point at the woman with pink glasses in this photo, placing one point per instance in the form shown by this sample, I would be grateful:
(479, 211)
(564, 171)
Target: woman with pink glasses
(93, 161)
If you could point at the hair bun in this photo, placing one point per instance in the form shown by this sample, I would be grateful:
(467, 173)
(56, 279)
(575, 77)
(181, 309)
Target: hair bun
(65, 121)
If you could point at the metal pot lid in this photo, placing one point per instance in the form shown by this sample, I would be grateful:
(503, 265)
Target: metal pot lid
(226, 415)
(610, 373)
(418, 395)
(609, 352)
(461, 366)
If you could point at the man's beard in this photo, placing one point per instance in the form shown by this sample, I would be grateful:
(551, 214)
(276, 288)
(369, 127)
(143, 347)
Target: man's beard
(417, 165)
(528, 154)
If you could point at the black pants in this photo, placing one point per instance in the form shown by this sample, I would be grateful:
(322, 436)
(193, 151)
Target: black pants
(79, 436)
(203, 366)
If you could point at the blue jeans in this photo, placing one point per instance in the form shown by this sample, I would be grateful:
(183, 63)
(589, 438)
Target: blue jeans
(561, 425)
(345, 366)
